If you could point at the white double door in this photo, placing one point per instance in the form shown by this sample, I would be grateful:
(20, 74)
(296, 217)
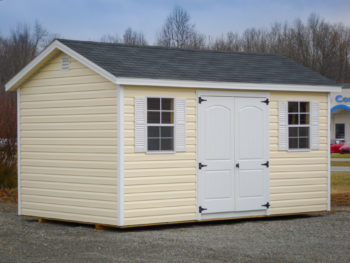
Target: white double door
(232, 154)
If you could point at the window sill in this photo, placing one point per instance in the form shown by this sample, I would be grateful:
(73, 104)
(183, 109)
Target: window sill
(160, 152)
(299, 150)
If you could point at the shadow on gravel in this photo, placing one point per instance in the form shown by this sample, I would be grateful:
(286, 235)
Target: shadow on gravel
(214, 223)
(177, 225)
(58, 223)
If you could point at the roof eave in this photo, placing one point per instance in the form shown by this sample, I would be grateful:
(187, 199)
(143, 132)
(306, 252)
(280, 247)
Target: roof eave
(35, 64)
(224, 85)
(31, 68)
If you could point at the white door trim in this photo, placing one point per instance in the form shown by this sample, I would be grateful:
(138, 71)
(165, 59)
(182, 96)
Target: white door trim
(216, 93)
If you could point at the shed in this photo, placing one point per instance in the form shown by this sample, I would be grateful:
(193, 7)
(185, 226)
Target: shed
(124, 136)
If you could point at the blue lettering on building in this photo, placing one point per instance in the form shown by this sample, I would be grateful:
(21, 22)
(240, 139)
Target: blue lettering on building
(342, 99)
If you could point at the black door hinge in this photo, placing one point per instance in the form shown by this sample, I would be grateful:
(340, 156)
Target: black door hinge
(201, 209)
(267, 205)
(267, 164)
(200, 100)
(267, 101)
(200, 166)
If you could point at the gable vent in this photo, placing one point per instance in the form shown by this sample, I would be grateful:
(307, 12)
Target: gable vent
(65, 61)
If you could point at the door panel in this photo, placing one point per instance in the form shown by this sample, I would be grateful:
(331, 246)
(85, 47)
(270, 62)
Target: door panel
(232, 130)
(215, 190)
(250, 123)
(217, 152)
(217, 132)
(251, 140)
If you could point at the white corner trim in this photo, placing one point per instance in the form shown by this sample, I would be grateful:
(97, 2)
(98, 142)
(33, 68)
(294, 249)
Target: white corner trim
(120, 150)
(19, 152)
(224, 85)
(328, 151)
(57, 45)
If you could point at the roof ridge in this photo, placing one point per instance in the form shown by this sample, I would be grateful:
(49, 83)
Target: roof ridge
(168, 48)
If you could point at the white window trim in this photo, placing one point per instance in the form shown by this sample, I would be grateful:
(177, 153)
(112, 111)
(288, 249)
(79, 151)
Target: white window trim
(298, 125)
(160, 125)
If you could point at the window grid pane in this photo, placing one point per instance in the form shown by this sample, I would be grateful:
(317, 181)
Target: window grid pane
(153, 104)
(298, 125)
(160, 122)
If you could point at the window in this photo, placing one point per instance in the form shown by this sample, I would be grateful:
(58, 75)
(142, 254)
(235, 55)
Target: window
(160, 124)
(339, 130)
(298, 125)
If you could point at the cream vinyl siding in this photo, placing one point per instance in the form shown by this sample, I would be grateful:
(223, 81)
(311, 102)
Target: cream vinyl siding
(298, 180)
(159, 188)
(69, 145)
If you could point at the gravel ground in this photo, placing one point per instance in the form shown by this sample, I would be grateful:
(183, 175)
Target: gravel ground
(318, 238)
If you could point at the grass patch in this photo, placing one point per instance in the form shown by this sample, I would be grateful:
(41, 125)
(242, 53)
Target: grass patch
(340, 163)
(338, 155)
(340, 182)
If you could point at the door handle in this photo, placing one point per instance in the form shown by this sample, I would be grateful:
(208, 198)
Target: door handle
(237, 165)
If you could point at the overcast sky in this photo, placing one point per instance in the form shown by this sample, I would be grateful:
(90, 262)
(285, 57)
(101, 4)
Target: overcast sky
(90, 19)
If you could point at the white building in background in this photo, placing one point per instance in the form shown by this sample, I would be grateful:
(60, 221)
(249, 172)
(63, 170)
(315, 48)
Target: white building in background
(340, 113)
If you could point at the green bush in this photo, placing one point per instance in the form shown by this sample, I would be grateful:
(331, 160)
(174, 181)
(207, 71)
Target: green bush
(8, 175)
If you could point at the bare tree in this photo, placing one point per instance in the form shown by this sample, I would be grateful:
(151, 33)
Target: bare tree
(179, 32)
(8, 139)
(20, 48)
(111, 39)
(318, 45)
(16, 51)
(131, 37)
(230, 42)
(8, 128)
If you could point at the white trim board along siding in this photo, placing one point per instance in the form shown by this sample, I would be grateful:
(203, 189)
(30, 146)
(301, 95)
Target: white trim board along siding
(19, 151)
(120, 146)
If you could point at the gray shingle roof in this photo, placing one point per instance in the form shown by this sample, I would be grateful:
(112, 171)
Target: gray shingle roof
(202, 65)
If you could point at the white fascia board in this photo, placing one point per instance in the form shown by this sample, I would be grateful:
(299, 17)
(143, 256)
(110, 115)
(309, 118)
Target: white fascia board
(224, 85)
(104, 73)
(46, 52)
